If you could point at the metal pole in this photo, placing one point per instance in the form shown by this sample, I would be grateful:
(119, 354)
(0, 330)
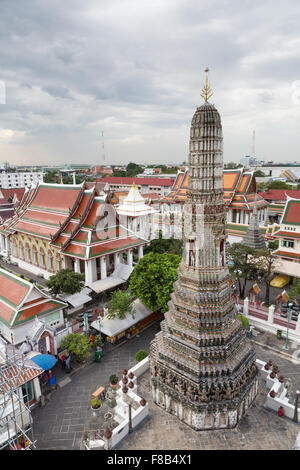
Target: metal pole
(85, 316)
(130, 419)
(286, 346)
(295, 417)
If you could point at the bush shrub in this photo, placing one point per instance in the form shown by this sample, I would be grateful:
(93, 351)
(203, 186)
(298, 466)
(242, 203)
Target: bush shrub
(244, 321)
(140, 355)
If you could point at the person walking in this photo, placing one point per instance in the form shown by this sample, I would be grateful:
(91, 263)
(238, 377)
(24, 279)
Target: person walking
(63, 361)
(68, 363)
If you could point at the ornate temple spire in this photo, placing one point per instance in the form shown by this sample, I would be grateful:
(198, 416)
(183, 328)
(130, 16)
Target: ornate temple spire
(202, 365)
(253, 238)
(206, 91)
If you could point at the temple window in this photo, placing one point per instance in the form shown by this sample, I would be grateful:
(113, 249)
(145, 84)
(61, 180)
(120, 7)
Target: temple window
(50, 261)
(287, 243)
(21, 250)
(58, 264)
(42, 258)
(34, 255)
(27, 253)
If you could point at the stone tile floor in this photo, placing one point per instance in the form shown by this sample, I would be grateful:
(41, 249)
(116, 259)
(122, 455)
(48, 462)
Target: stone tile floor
(63, 421)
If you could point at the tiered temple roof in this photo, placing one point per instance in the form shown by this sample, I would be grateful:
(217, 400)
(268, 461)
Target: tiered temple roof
(21, 301)
(239, 189)
(73, 219)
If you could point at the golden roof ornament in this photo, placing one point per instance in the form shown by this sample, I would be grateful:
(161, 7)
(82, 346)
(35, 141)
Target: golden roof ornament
(206, 91)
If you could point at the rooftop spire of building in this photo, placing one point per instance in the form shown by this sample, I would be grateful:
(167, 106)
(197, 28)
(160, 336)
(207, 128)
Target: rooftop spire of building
(206, 91)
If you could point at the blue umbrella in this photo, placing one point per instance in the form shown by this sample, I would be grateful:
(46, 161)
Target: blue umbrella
(45, 361)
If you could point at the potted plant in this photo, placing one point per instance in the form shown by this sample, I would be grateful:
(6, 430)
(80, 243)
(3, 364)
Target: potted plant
(272, 375)
(275, 368)
(131, 384)
(113, 381)
(131, 375)
(266, 366)
(143, 402)
(95, 405)
(124, 389)
(281, 379)
(272, 394)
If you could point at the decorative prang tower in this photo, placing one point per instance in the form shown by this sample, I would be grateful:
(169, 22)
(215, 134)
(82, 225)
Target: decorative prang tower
(202, 364)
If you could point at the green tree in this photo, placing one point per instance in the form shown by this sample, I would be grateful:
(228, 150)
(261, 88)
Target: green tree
(133, 169)
(294, 292)
(120, 304)
(259, 174)
(265, 264)
(153, 278)
(66, 281)
(241, 264)
(278, 185)
(165, 245)
(77, 344)
(50, 177)
(244, 321)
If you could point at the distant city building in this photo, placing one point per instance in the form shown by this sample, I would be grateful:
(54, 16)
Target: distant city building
(20, 180)
(249, 161)
(100, 169)
(152, 171)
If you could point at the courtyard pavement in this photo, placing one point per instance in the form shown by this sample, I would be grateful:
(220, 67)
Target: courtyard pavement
(62, 422)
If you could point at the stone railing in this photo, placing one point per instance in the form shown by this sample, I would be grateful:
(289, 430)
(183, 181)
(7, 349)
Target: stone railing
(121, 412)
(278, 390)
(268, 319)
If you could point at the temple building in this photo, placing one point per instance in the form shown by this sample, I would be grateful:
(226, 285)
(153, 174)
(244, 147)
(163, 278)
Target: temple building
(202, 364)
(69, 226)
(28, 317)
(288, 234)
(239, 195)
(135, 215)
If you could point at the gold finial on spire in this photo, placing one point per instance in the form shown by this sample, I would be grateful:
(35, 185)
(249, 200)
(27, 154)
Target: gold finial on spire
(206, 91)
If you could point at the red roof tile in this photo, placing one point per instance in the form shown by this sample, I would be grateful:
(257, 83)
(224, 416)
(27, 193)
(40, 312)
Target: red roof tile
(138, 181)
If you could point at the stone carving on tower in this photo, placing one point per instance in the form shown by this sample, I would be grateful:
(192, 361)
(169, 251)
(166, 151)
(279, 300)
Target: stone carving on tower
(202, 364)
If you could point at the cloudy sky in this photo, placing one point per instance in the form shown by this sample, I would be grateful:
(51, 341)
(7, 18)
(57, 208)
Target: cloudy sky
(134, 70)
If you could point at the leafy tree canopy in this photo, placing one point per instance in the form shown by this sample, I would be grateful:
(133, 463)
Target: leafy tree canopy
(294, 292)
(120, 304)
(140, 355)
(153, 278)
(66, 281)
(77, 344)
(241, 264)
(163, 245)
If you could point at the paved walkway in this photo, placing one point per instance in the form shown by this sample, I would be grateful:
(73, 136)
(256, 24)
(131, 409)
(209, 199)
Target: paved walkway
(63, 421)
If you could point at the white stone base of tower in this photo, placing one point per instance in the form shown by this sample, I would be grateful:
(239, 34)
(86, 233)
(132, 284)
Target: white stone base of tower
(201, 417)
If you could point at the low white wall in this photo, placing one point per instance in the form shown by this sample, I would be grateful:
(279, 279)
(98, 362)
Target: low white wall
(137, 415)
(140, 367)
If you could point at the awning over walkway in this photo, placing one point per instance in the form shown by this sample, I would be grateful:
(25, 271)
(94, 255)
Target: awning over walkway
(119, 276)
(76, 300)
(111, 327)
